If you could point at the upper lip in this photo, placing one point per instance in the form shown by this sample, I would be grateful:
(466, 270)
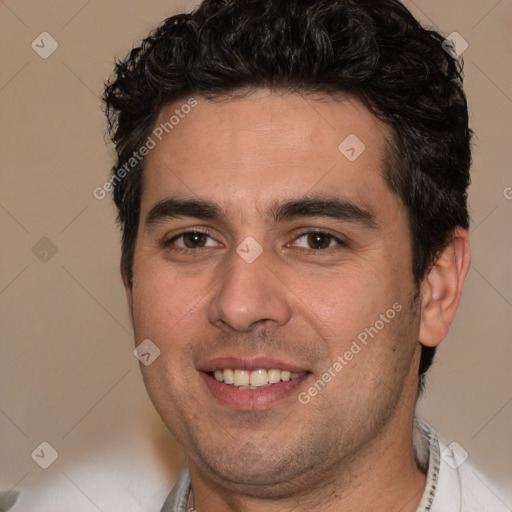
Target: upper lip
(250, 364)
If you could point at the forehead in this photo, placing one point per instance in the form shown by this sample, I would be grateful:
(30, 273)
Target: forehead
(253, 151)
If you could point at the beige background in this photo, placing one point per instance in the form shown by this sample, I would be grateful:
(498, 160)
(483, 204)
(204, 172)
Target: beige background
(68, 374)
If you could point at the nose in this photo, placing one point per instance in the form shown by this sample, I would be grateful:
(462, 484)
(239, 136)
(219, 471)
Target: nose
(249, 295)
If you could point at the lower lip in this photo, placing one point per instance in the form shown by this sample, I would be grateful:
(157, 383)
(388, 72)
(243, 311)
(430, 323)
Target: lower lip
(251, 399)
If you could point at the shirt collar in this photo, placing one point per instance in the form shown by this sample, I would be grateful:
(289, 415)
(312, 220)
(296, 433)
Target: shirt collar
(428, 456)
(178, 499)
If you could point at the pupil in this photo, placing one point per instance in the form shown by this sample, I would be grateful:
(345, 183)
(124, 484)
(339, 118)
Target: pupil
(194, 239)
(319, 240)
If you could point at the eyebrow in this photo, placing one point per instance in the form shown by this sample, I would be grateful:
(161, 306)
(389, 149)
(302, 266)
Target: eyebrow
(174, 208)
(335, 208)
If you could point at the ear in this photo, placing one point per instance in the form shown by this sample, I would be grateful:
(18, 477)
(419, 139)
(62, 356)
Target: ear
(441, 289)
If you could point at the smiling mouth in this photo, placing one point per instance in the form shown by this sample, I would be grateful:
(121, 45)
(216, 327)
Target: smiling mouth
(255, 379)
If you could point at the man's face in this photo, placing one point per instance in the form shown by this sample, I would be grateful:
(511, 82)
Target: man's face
(335, 259)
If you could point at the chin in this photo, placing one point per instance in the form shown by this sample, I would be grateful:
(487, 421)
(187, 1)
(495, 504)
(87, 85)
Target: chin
(262, 473)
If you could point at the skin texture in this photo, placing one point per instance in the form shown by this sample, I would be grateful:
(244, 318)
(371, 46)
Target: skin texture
(350, 447)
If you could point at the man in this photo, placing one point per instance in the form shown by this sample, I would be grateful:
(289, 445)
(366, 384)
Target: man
(291, 183)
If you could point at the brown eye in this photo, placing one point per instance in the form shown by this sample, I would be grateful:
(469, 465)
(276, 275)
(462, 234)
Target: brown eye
(192, 240)
(317, 240)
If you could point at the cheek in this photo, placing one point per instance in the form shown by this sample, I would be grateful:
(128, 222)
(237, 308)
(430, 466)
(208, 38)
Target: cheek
(165, 311)
(357, 314)
(161, 301)
(345, 300)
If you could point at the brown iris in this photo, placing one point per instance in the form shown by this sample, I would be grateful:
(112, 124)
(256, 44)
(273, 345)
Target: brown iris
(319, 240)
(194, 239)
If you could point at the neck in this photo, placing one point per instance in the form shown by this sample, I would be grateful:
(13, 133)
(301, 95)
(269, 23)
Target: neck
(385, 477)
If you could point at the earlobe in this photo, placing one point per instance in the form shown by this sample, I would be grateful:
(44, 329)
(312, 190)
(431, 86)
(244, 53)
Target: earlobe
(441, 289)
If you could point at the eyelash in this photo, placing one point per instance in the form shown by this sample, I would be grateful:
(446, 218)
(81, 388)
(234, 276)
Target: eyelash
(340, 243)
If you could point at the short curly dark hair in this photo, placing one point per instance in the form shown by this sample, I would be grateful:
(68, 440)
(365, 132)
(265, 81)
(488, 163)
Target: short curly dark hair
(374, 50)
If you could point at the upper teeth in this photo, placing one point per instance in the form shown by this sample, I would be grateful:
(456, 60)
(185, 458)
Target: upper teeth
(255, 378)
